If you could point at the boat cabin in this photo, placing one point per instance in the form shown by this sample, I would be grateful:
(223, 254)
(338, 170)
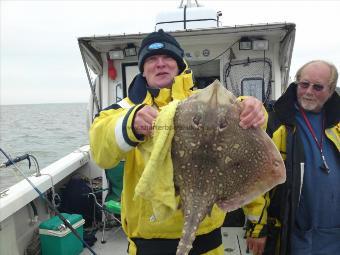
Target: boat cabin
(247, 59)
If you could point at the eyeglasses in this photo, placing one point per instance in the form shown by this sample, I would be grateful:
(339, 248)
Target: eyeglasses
(316, 86)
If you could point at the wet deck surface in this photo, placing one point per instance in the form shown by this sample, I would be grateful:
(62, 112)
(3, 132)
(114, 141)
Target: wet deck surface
(116, 243)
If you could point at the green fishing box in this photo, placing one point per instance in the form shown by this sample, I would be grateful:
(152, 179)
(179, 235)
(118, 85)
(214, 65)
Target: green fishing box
(56, 239)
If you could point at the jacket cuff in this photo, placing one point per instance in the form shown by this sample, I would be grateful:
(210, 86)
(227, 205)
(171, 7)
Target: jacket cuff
(126, 137)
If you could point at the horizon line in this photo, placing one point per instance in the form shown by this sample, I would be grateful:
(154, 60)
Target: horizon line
(10, 104)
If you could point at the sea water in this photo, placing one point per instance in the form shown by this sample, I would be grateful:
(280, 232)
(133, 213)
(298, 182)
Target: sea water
(47, 131)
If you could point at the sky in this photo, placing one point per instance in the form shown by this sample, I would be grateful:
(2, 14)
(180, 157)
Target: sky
(40, 61)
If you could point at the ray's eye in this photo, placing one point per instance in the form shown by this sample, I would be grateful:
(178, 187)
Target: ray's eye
(222, 122)
(196, 120)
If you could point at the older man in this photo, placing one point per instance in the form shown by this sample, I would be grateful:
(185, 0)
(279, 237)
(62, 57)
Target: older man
(304, 124)
(119, 129)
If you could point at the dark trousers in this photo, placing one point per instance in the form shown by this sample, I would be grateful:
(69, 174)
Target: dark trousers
(160, 246)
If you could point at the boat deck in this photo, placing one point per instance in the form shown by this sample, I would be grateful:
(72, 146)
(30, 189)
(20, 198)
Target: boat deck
(234, 243)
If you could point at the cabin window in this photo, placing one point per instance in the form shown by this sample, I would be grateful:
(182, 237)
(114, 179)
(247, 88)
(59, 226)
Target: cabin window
(253, 87)
(204, 72)
(129, 71)
(249, 77)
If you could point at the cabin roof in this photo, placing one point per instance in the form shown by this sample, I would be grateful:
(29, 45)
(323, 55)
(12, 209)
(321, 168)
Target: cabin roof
(105, 43)
(93, 47)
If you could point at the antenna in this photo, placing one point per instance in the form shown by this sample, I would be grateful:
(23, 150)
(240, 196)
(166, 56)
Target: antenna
(189, 4)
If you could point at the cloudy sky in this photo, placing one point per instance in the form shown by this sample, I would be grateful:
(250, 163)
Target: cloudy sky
(40, 58)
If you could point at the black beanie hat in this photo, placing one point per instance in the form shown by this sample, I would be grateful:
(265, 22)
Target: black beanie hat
(160, 43)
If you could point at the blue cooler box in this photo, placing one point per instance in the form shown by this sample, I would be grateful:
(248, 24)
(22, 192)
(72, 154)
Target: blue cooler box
(56, 239)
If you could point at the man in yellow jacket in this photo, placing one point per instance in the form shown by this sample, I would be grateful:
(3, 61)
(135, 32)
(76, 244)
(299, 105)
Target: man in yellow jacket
(118, 130)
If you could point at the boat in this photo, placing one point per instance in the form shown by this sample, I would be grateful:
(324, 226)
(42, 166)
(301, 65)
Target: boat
(249, 59)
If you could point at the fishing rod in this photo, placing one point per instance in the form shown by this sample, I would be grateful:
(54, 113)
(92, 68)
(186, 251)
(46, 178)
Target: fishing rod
(16, 160)
(42, 196)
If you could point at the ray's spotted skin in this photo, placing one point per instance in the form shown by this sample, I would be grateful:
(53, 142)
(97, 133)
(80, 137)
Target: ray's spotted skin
(216, 161)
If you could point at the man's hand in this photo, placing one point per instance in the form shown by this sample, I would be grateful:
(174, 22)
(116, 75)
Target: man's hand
(252, 114)
(256, 245)
(144, 119)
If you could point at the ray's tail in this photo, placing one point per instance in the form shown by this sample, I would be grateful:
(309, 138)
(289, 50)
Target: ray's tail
(192, 219)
